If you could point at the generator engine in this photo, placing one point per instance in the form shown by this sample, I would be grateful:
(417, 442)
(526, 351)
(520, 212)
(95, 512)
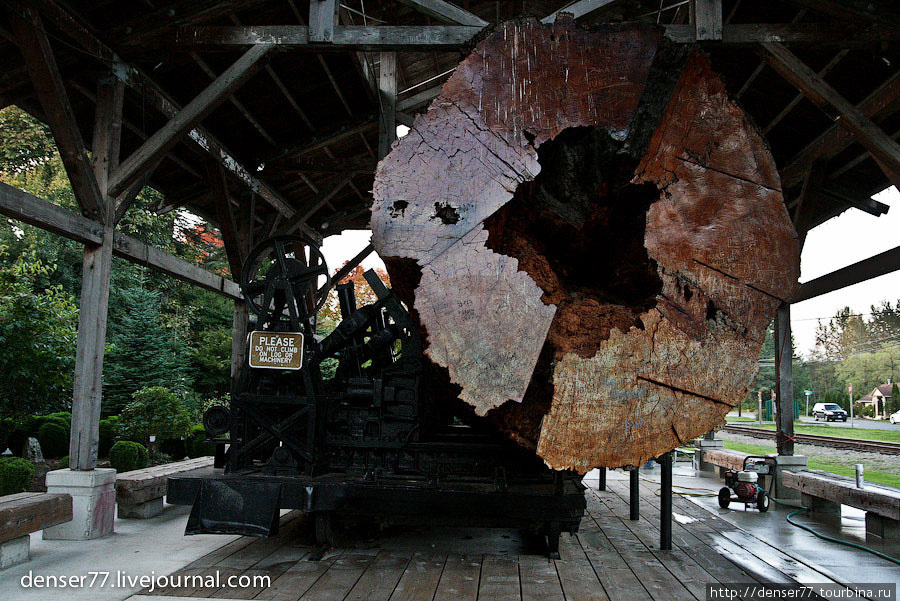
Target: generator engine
(742, 486)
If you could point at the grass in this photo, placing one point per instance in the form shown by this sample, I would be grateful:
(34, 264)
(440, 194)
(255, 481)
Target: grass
(740, 419)
(856, 433)
(835, 466)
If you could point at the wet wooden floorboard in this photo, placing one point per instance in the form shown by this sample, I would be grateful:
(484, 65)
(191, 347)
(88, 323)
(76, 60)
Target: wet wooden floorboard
(611, 558)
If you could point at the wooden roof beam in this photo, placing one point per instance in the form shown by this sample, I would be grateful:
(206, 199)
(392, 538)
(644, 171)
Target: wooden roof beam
(578, 9)
(446, 12)
(155, 147)
(821, 34)
(316, 204)
(796, 100)
(344, 271)
(881, 103)
(198, 138)
(345, 37)
(867, 269)
(48, 86)
(353, 129)
(234, 101)
(38, 212)
(884, 150)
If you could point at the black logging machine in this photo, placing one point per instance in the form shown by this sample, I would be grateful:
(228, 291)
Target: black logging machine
(343, 426)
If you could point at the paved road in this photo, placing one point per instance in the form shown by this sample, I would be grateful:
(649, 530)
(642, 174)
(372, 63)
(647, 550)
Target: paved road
(861, 424)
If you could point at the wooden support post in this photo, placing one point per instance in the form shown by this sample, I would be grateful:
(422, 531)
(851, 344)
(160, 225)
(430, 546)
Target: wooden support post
(48, 86)
(784, 381)
(387, 97)
(87, 391)
(665, 502)
(155, 147)
(239, 331)
(634, 494)
(601, 478)
(322, 18)
(707, 19)
(884, 150)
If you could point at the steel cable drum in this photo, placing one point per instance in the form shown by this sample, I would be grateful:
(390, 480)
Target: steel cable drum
(593, 238)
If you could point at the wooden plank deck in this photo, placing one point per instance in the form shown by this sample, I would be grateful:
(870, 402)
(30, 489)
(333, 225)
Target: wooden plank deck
(611, 558)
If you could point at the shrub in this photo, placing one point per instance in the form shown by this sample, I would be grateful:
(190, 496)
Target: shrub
(107, 436)
(154, 411)
(197, 445)
(54, 439)
(126, 455)
(63, 463)
(158, 458)
(16, 475)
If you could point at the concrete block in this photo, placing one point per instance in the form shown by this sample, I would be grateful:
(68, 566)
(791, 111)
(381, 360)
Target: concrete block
(15, 551)
(782, 463)
(93, 503)
(706, 444)
(141, 511)
(699, 464)
(818, 505)
(881, 528)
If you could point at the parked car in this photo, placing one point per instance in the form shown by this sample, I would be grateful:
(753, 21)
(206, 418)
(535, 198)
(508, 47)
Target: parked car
(895, 418)
(830, 412)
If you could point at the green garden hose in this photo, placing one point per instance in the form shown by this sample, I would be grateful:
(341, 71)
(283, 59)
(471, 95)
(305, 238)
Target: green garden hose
(801, 509)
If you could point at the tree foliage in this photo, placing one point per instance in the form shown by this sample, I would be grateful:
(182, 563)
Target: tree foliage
(37, 340)
(161, 331)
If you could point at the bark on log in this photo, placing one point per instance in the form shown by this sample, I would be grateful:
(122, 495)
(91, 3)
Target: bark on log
(593, 238)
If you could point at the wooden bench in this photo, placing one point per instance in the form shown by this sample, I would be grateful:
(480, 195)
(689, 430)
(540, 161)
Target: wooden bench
(824, 492)
(24, 513)
(724, 459)
(139, 493)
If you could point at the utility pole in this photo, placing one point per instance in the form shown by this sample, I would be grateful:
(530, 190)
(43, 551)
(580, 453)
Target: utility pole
(850, 388)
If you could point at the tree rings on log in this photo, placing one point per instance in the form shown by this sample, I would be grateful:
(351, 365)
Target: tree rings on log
(591, 236)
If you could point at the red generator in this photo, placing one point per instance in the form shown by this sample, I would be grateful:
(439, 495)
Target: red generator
(744, 487)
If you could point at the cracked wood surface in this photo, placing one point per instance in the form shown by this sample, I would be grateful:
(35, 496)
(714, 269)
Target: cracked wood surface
(718, 237)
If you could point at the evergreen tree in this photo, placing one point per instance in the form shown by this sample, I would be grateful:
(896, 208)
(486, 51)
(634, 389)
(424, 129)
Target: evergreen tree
(142, 352)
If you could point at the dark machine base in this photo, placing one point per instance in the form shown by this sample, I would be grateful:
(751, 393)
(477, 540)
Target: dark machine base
(249, 503)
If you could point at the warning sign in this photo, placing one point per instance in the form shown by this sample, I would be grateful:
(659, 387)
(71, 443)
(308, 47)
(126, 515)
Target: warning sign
(276, 350)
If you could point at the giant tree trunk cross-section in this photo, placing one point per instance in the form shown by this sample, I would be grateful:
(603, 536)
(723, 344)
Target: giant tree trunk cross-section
(592, 237)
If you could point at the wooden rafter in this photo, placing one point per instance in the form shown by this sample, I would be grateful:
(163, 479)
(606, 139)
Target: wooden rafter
(707, 16)
(578, 9)
(884, 150)
(157, 99)
(345, 37)
(204, 66)
(49, 88)
(170, 134)
(312, 207)
(387, 103)
(882, 102)
(820, 34)
(873, 267)
(344, 271)
(796, 99)
(25, 207)
(446, 12)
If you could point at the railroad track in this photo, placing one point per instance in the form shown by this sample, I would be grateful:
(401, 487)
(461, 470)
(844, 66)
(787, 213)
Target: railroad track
(872, 446)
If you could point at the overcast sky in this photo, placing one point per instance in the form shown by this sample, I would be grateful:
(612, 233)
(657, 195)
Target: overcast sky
(851, 237)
